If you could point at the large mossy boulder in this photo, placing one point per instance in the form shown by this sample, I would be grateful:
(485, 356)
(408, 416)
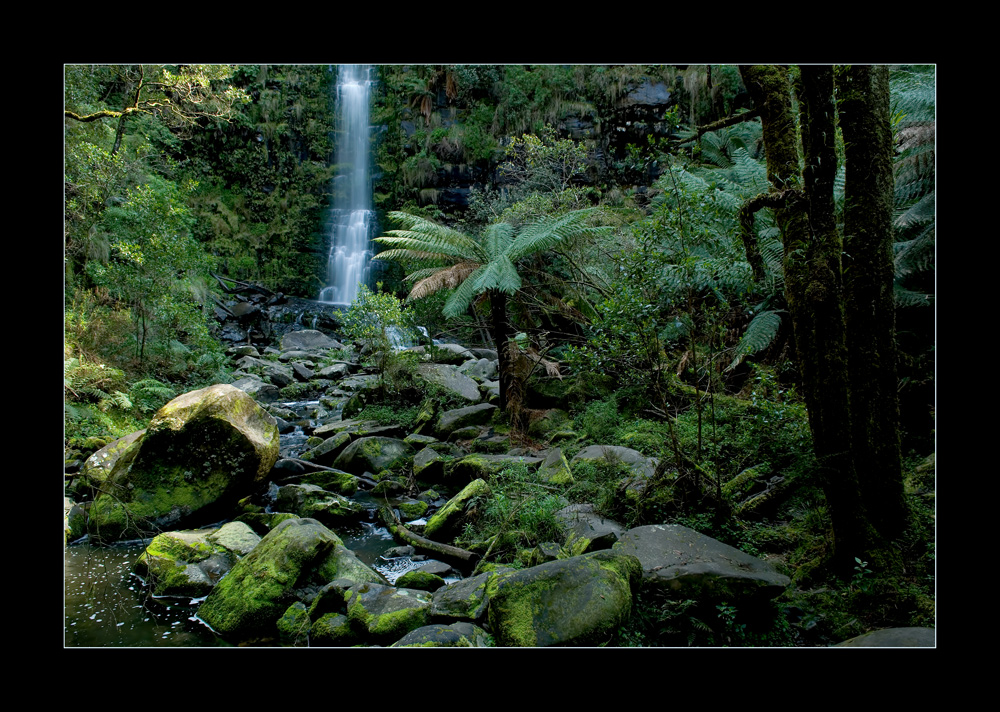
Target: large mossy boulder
(201, 453)
(582, 600)
(462, 600)
(384, 614)
(317, 503)
(248, 602)
(641, 465)
(373, 454)
(691, 565)
(451, 420)
(448, 378)
(308, 339)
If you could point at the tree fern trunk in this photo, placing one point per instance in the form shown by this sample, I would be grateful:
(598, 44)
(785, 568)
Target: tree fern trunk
(498, 314)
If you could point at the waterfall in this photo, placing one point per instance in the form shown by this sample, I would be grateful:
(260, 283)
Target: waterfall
(350, 249)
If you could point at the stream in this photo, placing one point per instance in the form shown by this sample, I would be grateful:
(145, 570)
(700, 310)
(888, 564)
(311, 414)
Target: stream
(106, 605)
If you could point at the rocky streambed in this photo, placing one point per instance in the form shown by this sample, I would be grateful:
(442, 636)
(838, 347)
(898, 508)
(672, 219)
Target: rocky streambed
(243, 517)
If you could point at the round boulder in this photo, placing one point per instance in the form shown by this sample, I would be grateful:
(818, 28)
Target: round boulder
(202, 452)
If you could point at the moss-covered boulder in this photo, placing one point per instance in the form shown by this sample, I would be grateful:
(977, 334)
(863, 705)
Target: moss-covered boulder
(447, 522)
(311, 501)
(580, 521)
(373, 454)
(248, 602)
(641, 465)
(454, 635)
(582, 600)
(448, 378)
(420, 580)
(555, 468)
(97, 467)
(191, 562)
(74, 520)
(326, 452)
(332, 480)
(384, 614)
(333, 630)
(202, 452)
(689, 564)
(478, 466)
(451, 420)
(293, 626)
(462, 600)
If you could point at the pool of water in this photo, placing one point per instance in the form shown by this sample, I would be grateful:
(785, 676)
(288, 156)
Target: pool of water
(106, 605)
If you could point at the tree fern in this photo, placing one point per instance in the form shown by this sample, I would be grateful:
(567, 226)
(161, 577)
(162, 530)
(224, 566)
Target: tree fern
(759, 335)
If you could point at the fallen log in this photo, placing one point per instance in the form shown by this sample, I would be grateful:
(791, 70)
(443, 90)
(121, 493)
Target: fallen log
(445, 551)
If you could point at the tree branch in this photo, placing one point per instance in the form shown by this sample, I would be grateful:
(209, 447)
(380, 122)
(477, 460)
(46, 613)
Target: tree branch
(749, 237)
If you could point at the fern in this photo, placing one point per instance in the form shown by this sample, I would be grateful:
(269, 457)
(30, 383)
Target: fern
(759, 335)
(149, 395)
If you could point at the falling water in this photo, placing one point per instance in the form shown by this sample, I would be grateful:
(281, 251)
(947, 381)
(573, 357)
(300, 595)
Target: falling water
(350, 253)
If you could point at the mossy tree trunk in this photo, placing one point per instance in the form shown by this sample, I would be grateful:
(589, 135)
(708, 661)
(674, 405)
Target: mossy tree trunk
(814, 286)
(863, 102)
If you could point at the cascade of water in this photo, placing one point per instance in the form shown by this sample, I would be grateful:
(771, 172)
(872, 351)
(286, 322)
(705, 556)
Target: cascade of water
(350, 251)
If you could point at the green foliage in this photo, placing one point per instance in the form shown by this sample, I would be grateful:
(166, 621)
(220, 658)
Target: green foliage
(519, 514)
(374, 318)
(389, 414)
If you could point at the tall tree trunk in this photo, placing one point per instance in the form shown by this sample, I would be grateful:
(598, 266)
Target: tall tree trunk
(813, 284)
(868, 279)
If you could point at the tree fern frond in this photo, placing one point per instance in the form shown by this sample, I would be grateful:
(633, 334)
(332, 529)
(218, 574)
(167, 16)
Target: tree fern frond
(498, 274)
(497, 239)
(758, 336)
(920, 212)
(916, 255)
(408, 255)
(904, 297)
(752, 173)
(461, 298)
(447, 278)
(444, 238)
(419, 274)
(545, 233)
(433, 244)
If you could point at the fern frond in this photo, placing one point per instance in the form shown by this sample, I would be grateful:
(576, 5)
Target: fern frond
(758, 336)
(752, 174)
(448, 278)
(545, 233)
(461, 298)
(904, 297)
(916, 255)
(497, 239)
(920, 212)
(499, 274)
(424, 247)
